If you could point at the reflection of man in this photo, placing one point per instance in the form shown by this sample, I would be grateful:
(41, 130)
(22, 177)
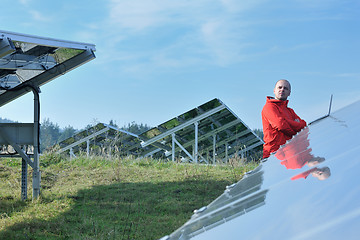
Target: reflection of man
(297, 154)
(280, 122)
(319, 173)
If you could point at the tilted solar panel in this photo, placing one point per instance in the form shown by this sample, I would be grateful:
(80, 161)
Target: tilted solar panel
(308, 189)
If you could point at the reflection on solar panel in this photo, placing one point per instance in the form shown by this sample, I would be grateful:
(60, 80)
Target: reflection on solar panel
(308, 189)
(208, 133)
(102, 138)
(26, 63)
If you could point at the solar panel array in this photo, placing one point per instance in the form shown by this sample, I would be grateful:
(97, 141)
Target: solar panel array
(102, 139)
(208, 133)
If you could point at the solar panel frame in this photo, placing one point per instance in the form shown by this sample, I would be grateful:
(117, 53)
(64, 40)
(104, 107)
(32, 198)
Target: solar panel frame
(105, 136)
(34, 61)
(212, 118)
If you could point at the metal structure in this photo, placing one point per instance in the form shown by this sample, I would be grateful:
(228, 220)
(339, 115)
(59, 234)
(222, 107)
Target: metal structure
(26, 63)
(102, 138)
(208, 133)
(308, 189)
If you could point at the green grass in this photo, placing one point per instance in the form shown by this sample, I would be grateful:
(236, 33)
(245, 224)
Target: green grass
(99, 198)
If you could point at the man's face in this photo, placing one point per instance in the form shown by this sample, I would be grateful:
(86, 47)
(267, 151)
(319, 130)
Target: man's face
(321, 173)
(282, 90)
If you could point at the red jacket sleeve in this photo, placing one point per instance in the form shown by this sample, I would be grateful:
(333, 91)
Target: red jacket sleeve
(277, 121)
(296, 125)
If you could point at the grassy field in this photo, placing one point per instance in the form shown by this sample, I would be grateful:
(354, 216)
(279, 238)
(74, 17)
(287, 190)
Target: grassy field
(99, 198)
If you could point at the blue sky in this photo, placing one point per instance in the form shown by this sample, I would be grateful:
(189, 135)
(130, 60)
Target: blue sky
(157, 59)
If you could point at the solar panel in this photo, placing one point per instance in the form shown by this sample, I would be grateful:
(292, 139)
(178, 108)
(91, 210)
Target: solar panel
(26, 63)
(102, 138)
(30, 61)
(208, 133)
(308, 189)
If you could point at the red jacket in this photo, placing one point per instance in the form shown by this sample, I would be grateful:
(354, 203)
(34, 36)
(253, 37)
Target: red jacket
(280, 123)
(296, 153)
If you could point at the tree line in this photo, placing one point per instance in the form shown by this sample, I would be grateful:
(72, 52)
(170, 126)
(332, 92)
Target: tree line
(51, 133)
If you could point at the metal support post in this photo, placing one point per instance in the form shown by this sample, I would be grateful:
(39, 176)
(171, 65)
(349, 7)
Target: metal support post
(88, 147)
(173, 147)
(24, 170)
(36, 168)
(71, 153)
(214, 148)
(196, 142)
(226, 152)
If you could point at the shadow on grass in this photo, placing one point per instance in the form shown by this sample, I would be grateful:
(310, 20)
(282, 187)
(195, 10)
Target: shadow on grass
(122, 211)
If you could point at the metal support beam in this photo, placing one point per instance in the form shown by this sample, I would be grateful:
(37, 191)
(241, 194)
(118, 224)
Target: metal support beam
(214, 149)
(152, 152)
(215, 131)
(27, 62)
(87, 147)
(36, 168)
(226, 152)
(184, 125)
(83, 140)
(173, 147)
(71, 153)
(17, 148)
(243, 133)
(182, 148)
(24, 170)
(196, 142)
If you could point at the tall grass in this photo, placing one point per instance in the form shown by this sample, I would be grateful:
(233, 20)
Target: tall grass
(108, 198)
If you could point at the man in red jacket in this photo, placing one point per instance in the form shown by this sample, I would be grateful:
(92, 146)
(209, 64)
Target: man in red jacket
(279, 121)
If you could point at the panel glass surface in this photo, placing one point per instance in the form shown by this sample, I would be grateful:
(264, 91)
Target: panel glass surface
(308, 189)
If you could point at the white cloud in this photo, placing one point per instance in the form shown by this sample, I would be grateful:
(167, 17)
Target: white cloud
(348, 75)
(24, 2)
(37, 16)
(138, 15)
(211, 32)
(199, 31)
(238, 6)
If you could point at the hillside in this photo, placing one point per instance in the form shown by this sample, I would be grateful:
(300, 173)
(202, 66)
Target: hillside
(99, 198)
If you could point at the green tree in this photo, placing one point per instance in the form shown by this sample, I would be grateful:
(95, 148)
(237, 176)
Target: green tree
(259, 132)
(49, 134)
(136, 128)
(66, 133)
(5, 120)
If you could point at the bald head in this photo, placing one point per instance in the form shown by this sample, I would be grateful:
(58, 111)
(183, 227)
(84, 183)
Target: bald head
(282, 89)
(284, 81)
